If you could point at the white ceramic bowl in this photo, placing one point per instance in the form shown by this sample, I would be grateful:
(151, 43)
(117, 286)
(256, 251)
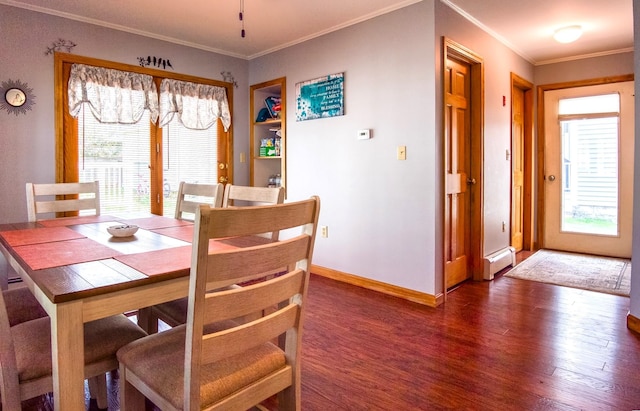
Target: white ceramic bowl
(122, 230)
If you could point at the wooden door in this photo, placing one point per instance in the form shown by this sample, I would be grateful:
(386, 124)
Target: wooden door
(517, 167)
(457, 89)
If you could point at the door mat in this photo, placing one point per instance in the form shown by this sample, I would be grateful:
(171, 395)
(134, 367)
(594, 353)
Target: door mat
(588, 272)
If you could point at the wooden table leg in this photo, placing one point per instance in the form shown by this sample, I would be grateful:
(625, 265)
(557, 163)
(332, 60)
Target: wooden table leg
(146, 321)
(67, 350)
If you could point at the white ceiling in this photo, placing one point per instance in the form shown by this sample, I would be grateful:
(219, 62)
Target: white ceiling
(527, 26)
(524, 25)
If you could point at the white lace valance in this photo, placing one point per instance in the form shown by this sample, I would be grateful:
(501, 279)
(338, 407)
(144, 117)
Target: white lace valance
(113, 96)
(198, 106)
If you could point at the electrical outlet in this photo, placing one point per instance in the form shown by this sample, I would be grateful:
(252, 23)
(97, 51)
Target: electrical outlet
(324, 231)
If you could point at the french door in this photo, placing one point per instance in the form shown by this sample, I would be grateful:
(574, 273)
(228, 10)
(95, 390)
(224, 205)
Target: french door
(122, 157)
(588, 167)
(139, 166)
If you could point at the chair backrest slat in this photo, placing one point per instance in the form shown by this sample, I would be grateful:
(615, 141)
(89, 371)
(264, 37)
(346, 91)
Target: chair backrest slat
(238, 196)
(248, 195)
(241, 339)
(237, 303)
(238, 266)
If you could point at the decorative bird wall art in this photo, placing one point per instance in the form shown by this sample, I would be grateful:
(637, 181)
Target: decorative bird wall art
(154, 61)
(60, 45)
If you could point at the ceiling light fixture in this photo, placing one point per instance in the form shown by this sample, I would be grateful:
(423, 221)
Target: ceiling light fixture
(567, 34)
(241, 16)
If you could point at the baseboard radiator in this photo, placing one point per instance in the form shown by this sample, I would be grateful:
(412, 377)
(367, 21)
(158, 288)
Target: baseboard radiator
(499, 260)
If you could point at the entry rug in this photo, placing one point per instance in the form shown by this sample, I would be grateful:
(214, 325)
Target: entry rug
(603, 274)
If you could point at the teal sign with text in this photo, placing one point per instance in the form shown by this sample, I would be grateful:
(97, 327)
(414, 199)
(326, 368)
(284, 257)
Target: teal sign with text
(320, 98)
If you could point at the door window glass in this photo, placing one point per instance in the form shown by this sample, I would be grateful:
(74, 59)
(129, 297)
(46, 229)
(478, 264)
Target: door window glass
(116, 155)
(188, 155)
(590, 135)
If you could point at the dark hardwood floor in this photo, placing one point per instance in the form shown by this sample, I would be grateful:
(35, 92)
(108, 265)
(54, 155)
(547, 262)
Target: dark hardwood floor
(505, 344)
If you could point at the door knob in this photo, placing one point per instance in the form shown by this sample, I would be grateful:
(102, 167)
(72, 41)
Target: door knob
(223, 179)
(552, 178)
(471, 181)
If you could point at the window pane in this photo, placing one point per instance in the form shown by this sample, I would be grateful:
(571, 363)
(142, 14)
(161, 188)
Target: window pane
(607, 103)
(590, 176)
(117, 155)
(188, 155)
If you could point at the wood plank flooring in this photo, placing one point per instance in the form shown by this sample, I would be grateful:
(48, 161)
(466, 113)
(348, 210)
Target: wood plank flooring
(505, 344)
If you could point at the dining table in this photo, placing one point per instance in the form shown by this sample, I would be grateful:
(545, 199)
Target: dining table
(79, 272)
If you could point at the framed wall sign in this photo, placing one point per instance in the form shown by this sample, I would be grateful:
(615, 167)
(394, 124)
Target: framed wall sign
(320, 98)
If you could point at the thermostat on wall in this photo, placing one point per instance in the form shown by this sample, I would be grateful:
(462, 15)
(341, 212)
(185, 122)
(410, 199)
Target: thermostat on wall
(364, 134)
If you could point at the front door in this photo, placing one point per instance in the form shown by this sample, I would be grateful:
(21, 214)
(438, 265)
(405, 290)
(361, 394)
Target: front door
(588, 167)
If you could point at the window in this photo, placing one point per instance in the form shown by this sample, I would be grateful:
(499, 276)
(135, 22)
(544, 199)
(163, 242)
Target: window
(139, 164)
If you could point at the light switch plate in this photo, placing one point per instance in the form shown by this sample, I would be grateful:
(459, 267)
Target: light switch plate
(402, 152)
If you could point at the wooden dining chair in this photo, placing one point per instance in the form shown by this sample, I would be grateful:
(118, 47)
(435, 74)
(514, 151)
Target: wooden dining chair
(238, 196)
(25, 355)
(249, 195)
(174, 312)
(191, 195)
(62, 198)
(216, 360)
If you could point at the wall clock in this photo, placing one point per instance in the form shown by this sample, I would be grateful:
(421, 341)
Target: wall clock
(16, 97)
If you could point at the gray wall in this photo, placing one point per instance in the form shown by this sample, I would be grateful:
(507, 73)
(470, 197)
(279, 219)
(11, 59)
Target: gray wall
(385, 219)
(380, 211)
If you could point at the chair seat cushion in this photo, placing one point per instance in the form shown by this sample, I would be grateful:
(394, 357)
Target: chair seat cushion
(172, 312)
(102, 338)
(22, 306)
(159, 360)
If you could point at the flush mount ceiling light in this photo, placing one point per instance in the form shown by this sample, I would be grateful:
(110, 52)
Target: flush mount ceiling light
(567, 34)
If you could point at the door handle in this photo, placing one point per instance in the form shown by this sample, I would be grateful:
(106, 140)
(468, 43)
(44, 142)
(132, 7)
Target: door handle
(471, 181)
(223, 179)
(552, 178)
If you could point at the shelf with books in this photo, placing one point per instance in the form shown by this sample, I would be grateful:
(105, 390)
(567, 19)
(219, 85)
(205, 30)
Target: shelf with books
(268, 133)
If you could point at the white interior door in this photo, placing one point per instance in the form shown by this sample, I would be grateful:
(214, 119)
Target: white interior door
(589, 169)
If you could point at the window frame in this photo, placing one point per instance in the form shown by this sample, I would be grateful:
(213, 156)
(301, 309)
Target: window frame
(66, 127)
